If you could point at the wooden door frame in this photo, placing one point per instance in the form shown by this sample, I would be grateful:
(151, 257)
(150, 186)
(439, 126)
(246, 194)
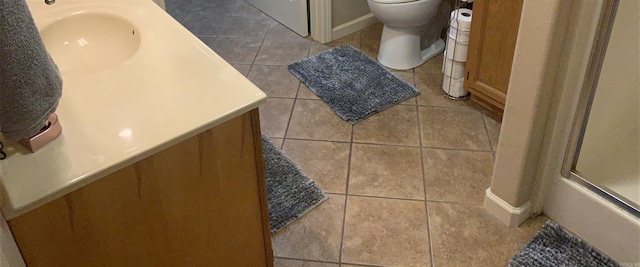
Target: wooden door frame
(320, 20)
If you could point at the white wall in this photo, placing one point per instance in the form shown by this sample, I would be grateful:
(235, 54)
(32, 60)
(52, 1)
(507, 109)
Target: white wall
(610, 153)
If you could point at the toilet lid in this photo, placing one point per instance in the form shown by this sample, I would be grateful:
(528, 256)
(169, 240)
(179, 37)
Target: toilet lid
(393, 1)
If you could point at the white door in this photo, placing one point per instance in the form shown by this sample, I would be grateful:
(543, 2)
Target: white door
(291, 13)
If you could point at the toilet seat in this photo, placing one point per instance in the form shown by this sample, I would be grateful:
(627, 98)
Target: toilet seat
(393, 1)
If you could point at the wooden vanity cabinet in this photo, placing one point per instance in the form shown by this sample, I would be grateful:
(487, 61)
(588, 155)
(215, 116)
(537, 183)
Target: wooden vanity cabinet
(492, 41)
(201, 202)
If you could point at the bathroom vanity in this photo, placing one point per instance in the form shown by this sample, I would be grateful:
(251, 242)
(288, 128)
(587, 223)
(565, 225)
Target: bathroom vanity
(160, 160)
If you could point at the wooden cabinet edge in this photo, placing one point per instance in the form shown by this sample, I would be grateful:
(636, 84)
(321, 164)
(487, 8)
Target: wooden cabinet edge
(30, 227)
(262, 184)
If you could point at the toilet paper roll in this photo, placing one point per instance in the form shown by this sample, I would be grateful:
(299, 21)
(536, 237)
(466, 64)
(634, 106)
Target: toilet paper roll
(461, 19)
(462, 36)
(457, 50)
(452, 68)
(453, 87)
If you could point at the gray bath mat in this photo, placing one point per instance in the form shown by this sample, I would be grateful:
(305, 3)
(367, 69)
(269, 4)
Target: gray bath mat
(351, 83)
(290, 193)
(553, 246)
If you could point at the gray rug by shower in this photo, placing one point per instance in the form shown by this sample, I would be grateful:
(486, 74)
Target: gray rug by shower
(290, 192)
(354, 85)
(553, 246)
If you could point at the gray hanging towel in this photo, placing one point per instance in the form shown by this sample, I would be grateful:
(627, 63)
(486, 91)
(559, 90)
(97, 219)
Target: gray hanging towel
(30, 83)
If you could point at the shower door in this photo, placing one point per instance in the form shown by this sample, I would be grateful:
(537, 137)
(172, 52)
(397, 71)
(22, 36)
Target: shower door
(291, 13)
(604, 152)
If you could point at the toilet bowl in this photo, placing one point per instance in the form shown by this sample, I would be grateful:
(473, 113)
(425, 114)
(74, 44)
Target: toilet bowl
(404, 23)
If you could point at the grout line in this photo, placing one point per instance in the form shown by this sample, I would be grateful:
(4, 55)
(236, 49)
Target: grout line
(386, 197)
(456, 203)
(293, 107)
(295, 99)
(457, 149)
(303, 139)
(409, 199)
(363, 265)
(470, 108)
(272, 64)
(486, 131)
(379, 144)
(330, 262)
(424, 182)
(346, 197)
(253, 62)
(306, 260)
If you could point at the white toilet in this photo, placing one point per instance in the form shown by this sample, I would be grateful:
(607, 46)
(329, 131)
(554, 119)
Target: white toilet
(405, 21)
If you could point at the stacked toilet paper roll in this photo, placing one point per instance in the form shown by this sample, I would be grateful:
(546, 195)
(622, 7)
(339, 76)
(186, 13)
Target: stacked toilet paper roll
(456, 53)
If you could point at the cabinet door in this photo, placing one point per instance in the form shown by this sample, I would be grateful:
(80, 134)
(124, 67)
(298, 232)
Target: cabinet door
(494, 30)
(201, 202)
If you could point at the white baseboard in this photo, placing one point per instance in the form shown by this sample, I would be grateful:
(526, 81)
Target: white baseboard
(352, 26)
(509, 215)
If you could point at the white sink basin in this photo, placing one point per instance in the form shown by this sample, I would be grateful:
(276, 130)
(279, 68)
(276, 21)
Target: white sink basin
(89, 42)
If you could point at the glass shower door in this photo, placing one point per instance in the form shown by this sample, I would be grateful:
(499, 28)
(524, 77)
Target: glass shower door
(607, 130)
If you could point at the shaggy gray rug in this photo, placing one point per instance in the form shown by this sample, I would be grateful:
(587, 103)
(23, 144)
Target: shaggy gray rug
(290, 193)
(351, 83)
(553, 246)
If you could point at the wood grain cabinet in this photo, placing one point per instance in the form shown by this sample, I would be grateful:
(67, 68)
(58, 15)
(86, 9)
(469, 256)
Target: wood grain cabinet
(201, 202)
(494, 30)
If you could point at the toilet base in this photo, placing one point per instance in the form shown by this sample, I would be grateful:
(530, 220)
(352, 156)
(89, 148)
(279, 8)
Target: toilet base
(400, 48)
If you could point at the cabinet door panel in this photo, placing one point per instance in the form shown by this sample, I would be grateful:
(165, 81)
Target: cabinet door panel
(494, 31)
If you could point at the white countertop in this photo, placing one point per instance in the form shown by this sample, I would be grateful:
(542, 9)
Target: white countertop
(173, 88)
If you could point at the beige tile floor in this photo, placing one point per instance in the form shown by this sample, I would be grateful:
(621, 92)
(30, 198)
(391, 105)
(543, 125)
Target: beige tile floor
(406, 186)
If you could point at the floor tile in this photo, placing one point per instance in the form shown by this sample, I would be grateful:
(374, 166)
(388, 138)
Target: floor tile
(353, 39)
(397, 125)
(493, 127)
(216, 8)
(327, 163)
(247, 10)
(464, 235)
(458, 128)
(386, 171)
(315, 236)
(275, 81)
(280, 32)
(385, 232)
(282, 52)
(407, 77)
(317, 48)
(243, 27)
(313, 119)
(242, 68)
(274, 116)
(456, 175)
(370, 49)
(372, 34)
(298, 263)
(202, 24)
(434, 65)
(179, 9)
(429, 85)
(526, 231)
(277, 141)
(237, 50)
(208, 40)
(305, 93)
